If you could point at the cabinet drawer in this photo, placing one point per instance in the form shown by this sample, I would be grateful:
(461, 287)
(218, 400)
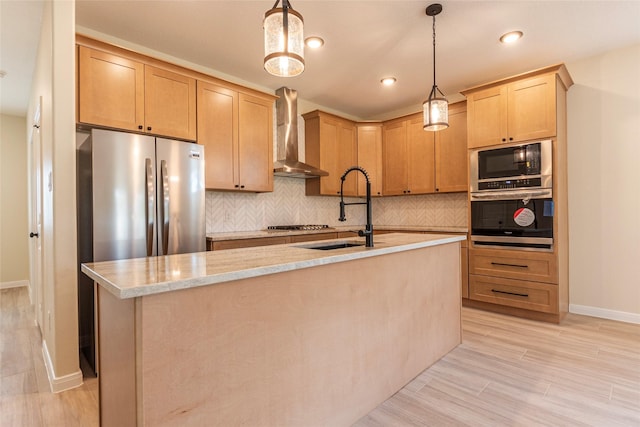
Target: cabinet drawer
(311, 237)
(249, 243)
(514, 293)
(523, 265)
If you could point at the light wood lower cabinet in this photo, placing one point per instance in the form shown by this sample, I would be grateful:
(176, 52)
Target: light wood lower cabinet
(219, 245)
(514, 293)
(516, 282)
(464, 268)
(514, 264)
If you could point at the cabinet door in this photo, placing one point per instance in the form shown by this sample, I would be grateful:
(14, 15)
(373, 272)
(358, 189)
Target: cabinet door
(329, 148)
(532, 108)
(370, 158)
(451, 152)
(347, 157)
(110, 90)
(487, 117)
(255, 144)
(217, 131)
(169, 104)
(420, 158)
(394, 148)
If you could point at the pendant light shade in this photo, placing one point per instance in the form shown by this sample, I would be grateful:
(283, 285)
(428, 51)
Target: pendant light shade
(435, 110)
(283, 41)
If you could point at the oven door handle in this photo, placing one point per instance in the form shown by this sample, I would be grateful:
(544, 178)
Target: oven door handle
(512, 195)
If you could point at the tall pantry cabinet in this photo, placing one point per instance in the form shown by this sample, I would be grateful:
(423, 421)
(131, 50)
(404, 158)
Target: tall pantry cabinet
(527, 107)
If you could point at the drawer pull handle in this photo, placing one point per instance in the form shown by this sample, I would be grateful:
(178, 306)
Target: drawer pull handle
(509, 293)
(510, 265)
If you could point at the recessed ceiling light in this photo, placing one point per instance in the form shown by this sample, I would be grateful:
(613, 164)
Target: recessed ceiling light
(511, 37)
(388, 81)
(313, 42)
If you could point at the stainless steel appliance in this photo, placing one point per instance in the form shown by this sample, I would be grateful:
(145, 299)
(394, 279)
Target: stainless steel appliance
(287, 163)
(138, 196)
(512, 196)
(299, 227)
(516, 166)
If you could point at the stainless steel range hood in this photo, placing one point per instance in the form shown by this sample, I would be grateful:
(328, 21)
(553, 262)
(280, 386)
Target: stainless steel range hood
(287, 137)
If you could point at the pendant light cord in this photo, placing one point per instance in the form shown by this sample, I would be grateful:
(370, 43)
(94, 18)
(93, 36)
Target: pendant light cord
(434, 52)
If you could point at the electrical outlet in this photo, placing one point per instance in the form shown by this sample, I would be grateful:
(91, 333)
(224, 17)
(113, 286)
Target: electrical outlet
(228, 216)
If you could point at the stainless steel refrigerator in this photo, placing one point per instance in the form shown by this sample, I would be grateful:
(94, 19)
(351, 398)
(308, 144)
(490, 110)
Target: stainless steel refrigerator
(138, 196)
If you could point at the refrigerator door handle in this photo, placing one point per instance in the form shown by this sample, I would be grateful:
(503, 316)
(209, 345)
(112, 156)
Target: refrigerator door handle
(149, 206)
(165, 207)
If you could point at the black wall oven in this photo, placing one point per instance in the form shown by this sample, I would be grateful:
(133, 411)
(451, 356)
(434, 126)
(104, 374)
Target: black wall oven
(512, 197)
(514, 223)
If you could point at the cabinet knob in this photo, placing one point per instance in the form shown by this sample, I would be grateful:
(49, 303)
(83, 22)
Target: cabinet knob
(504, 139)
(140, 127)
(378, 193)
(32, 234)
(510, 139)
(236, 186)
(408, 191)
(148, 127)
(437, 189)
(242, 186)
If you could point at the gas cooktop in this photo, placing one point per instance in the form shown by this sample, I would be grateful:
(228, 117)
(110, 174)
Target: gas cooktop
(298, 227)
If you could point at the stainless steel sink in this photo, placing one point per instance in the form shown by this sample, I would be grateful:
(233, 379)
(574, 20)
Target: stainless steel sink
(331, 246)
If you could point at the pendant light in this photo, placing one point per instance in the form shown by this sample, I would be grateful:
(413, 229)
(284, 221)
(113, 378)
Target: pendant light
(435, 109)
(283, 41)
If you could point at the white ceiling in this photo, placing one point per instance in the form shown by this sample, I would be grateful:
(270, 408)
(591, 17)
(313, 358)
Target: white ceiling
(368, 40)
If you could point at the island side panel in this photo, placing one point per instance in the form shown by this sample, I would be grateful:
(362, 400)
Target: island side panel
(316, 346)
(117, 376)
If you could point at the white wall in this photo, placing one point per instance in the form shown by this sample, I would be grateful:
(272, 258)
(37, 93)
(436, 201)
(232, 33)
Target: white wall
(54, 81)
(604, 185)
(14, 219)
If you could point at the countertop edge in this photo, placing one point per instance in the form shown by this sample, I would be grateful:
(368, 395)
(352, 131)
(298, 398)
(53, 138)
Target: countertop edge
(181, 284)
(257, 234)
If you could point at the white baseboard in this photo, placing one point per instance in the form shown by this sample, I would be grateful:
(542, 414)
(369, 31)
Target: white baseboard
(14, 284)
(605, 313)
(65, 382)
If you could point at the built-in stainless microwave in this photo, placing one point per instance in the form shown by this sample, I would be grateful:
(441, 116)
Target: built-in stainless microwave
(512, 167)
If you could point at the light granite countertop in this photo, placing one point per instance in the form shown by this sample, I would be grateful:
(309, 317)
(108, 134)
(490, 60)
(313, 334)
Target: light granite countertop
(237, 235)
(147, 276)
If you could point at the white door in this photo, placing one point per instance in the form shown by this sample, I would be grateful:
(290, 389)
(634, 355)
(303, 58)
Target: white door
(35, 215)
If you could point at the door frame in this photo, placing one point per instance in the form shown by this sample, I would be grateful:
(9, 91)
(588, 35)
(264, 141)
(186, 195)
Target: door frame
(36, 285)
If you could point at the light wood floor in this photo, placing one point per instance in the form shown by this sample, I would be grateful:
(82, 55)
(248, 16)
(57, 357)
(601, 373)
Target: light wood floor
(25, 397)
(507, 372)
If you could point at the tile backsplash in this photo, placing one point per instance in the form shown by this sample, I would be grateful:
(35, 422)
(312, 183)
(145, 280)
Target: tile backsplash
(288, 204)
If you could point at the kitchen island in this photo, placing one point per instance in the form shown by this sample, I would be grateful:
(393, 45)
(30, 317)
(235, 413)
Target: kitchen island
(278, 335)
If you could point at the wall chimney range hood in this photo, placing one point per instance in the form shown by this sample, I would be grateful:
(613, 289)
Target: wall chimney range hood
(287, 137)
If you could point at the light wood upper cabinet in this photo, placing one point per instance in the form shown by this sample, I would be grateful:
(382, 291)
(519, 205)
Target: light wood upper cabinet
(169, 103)
(330, 143)
(394, 153)
(255, 143)
(519, 110)
(218, 132)
(121, 93)
(237, 132)
(408, 157)
(451, 156)
(370, 157)
(110, 90)
(421, 162)
(421, 157)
